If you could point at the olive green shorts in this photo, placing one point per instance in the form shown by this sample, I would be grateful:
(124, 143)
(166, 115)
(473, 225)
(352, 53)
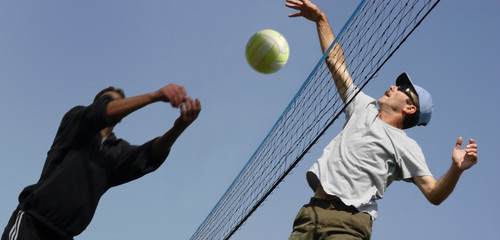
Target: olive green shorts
(331, 219)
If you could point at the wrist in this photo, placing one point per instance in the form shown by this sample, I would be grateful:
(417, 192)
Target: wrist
(321, 18)
(456, 168)
(156, 96)
(180, 123)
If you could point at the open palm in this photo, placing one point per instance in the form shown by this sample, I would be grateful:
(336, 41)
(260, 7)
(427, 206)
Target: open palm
(467, 157)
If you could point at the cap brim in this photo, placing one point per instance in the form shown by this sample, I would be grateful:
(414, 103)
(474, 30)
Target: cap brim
(404, 79)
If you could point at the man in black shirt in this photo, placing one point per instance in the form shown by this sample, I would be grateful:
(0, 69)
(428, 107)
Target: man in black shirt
(86, 159)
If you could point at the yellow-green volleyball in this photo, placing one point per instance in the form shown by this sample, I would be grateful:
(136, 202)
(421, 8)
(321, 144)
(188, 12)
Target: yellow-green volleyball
(267, 51)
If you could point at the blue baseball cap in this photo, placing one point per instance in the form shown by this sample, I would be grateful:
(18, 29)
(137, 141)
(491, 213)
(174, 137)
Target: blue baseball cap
(424, 99)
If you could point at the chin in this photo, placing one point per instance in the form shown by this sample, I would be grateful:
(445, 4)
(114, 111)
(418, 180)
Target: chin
(380, 101)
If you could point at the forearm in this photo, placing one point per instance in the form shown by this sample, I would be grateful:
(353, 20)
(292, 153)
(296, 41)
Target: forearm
(118, 109)
(164, 143)
(442, 188)
(335, 59)
(325, 33)
(437, 191)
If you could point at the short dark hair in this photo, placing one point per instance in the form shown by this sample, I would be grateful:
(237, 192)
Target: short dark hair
(412, 120)
(109, 89)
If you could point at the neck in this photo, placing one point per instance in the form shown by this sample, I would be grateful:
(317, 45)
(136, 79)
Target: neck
(391, 119)
(106, 132)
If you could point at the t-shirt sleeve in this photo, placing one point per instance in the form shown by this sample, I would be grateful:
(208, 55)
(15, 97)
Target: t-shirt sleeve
(134, 162)
(356, 100)
(81, 122)
(412, 164)
(96, 115)
(77, 126)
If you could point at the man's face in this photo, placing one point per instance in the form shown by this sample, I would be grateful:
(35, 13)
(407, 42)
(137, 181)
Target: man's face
(396, 99)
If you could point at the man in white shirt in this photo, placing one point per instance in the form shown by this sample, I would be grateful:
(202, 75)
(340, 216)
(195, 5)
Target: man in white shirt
(370, 152)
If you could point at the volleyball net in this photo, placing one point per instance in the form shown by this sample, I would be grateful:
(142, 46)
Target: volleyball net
(370, 37)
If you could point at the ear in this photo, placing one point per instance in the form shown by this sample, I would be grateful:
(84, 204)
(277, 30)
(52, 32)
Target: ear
(410, 109)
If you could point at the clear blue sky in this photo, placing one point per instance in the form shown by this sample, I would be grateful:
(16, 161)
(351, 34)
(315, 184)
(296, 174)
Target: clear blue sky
(58, 54)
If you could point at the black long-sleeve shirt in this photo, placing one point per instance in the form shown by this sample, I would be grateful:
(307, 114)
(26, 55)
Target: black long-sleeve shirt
(80, 167)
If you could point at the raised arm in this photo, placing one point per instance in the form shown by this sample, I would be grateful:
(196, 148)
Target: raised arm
(189, 112)
(335, 59)
(120, 108)
(437, 191)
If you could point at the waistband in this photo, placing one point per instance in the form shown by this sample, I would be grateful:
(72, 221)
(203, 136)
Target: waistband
(332, 204)
(46, 226)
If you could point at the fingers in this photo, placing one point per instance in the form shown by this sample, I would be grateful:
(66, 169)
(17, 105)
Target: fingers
(187, 105)
(173, 93)
(176, 95)
(471, 148)
(190, 109)
(306, 9)
(297, 14)
(292, 15)
(459, 142)
(472, 144)
(294, 4)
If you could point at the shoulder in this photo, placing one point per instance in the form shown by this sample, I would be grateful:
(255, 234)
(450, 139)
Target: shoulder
(359, 101)
(405, 146)
(75, 109)
(73, 113)
(357, 97)
(403, 141)
(410, 150)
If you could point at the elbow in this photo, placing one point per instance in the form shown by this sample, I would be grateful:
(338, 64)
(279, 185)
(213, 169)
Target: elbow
(435, 201)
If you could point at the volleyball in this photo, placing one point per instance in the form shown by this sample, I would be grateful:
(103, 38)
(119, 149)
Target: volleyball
(267, 51)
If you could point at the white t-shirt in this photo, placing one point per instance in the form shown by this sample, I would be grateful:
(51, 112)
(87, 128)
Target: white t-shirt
(365, 157)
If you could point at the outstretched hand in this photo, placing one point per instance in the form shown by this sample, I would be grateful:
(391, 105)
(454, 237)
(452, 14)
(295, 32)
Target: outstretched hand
(173, 93)
(467, 157)
(306, 9)
(189, 110)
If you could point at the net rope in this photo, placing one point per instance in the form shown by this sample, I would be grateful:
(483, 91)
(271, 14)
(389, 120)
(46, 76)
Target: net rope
(370, 37)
